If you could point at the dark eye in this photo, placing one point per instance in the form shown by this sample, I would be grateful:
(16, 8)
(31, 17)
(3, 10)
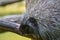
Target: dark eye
(33, 21)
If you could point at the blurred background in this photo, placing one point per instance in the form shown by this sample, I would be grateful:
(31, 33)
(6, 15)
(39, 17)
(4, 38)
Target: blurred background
(12, 9)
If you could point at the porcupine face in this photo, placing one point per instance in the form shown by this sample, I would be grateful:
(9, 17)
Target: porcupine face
(48, 14)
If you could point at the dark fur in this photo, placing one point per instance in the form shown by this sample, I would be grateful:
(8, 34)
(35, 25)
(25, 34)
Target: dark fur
(39, 31)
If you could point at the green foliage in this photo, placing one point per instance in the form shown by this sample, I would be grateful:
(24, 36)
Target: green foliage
(11, 36)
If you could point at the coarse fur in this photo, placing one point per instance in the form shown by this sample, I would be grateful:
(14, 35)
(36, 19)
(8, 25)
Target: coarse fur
(47, 12)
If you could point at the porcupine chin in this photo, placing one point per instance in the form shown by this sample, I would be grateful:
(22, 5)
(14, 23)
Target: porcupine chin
(47, 12)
